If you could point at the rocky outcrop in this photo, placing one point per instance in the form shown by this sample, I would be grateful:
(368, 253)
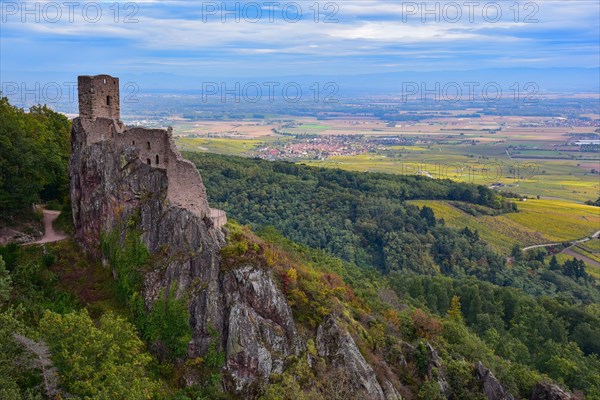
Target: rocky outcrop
(261, 328)
(434, 369)
(389, 391)
(550, 391)
(490, 386)
(112, 189)
(11, 235)
(339, 349)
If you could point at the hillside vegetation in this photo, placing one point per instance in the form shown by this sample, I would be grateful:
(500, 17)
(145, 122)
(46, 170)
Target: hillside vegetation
(57, 303)
(361, 218)
(34, 152)
(367, 219)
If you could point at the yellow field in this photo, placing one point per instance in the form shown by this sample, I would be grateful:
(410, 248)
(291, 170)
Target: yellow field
(546, 178)
(558, 220)
(537, 222)
(217, 145)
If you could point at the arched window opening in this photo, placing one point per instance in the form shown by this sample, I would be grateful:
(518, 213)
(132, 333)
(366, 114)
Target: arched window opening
(108, 100)
(148, 161)
(148, 145)
(157, 159)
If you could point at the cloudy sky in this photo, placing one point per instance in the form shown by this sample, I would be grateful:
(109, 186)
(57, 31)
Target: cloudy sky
(278, 38)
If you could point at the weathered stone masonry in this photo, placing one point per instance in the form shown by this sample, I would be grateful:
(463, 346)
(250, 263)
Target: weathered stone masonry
(99, 114)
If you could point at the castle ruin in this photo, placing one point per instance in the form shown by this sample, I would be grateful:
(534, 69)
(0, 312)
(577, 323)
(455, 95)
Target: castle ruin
(99, 115)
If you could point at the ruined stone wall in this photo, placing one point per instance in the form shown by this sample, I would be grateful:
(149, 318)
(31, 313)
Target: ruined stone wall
(101, 129)
(157, 149)
(185, 184)
(99, 111)
(152, 145)
(218, 217)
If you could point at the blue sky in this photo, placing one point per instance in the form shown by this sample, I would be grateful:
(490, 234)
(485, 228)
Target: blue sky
(189, 38)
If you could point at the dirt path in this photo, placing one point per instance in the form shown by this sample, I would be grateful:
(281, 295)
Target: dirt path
(50, 235)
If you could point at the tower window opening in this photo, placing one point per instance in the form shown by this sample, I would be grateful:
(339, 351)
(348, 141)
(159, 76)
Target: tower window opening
(133, 142)
(108, 100)
(148, 145)
(104, 80)
(148, 161)
(157, 159)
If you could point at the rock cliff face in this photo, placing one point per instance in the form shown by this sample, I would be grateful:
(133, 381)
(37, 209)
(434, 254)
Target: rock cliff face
(550, 391)
(111, 187)
(490, 386)
(261, 329)
(340, 350)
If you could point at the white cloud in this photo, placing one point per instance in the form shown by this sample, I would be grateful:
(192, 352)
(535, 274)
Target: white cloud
(366, 28)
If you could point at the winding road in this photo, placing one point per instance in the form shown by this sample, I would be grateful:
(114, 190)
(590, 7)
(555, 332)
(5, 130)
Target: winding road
(570, 252)
(581, 257)
(573, 243)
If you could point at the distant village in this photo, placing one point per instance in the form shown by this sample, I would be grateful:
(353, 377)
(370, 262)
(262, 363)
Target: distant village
(322, 147)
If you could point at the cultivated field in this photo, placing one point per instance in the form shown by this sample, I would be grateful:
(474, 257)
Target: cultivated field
(217, 145)
(513, 151)
(537, 222)
(483, 164)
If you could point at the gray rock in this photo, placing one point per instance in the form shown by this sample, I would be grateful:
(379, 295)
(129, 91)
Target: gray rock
(550, 391)
(435, 363)
(491, 387)
(261, 328)
(110, 188)
(339, 349)
(390, 391)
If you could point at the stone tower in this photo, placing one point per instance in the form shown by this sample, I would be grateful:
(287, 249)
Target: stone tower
(98, 97)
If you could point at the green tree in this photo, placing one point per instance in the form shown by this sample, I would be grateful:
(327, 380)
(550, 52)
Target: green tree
(107, 361)
(428, 215)
(34, 153)
(516, 252)
(454, 312)
(5, 282)
(17, 379)
(430, 390)
(554, 265)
